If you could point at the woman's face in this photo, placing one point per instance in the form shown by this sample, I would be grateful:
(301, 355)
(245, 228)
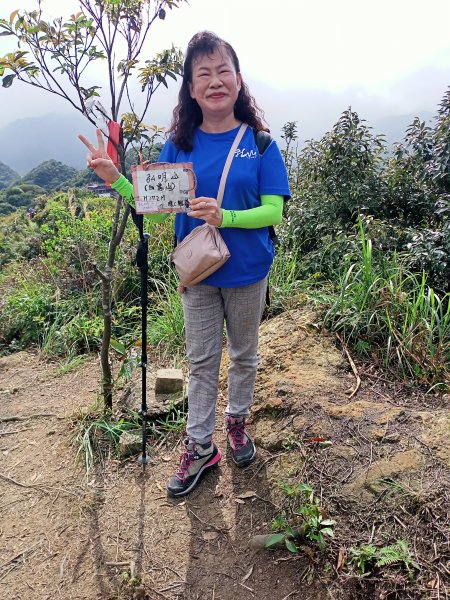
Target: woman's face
(215, 84)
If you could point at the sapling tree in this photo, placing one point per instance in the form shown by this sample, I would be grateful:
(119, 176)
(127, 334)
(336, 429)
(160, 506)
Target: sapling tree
(56, 56)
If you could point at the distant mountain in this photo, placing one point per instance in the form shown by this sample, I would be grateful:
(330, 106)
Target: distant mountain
(7, 176)
(49, 175)
(28, 142)
(46, 178)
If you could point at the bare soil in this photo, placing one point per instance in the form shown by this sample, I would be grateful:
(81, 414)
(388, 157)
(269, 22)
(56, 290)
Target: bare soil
(117, 535)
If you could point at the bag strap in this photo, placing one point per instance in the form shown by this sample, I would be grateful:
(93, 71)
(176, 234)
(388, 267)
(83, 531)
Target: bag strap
(228, 162)
(263, 140)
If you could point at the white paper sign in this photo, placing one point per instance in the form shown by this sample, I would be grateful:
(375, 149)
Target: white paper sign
(163, 187)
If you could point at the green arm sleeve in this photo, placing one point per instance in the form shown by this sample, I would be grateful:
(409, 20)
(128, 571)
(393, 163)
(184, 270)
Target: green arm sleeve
(125, 189)
(269, 213)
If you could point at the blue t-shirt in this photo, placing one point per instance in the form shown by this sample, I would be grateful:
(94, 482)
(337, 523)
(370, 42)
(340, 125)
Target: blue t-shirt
(250, 176)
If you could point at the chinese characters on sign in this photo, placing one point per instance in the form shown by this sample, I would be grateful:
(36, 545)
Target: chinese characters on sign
(163, 187)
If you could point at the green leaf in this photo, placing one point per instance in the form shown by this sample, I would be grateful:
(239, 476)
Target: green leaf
(118, 347)
(7, 81)
(327, 531)
(275, 538)
(125, 371)
(290, 545)
(304, 487)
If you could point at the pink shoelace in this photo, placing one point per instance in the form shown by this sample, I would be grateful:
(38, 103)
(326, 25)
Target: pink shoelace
(236, 430)
(186, 461)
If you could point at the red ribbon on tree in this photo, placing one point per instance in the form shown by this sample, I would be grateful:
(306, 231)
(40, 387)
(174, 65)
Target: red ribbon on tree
(113, 142)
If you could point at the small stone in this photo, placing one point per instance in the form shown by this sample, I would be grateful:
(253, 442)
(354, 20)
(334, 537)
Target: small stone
(169, 381)
(130, 443)
(284, 388)
(344, 452)
(392, 438)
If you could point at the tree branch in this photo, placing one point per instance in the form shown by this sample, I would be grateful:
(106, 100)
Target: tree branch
(100, 273)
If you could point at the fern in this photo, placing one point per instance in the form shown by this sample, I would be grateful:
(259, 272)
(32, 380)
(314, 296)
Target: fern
(395, 553)
(368, 555)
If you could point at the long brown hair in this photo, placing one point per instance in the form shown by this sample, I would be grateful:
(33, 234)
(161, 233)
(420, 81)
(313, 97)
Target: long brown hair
(187, 114)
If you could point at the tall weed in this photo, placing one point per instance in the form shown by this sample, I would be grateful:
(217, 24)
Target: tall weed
(284, 279)
(392, 315)
(166, 323)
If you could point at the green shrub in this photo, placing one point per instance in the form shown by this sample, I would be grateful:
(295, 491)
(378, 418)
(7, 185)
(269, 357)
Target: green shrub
(349, 175)
(55, 302)
(27, 313)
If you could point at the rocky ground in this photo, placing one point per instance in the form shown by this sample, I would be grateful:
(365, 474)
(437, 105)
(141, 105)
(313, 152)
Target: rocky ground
(116, 534)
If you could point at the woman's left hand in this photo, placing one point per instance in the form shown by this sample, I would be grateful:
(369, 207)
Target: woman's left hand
(206, 209)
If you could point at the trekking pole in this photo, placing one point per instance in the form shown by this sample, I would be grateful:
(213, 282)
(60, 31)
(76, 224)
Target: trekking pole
(142, 264)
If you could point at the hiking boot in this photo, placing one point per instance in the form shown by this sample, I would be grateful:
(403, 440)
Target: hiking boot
(195, 462)
(243, 449)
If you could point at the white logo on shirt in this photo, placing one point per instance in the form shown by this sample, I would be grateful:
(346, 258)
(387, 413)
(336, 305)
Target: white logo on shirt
(243, 153)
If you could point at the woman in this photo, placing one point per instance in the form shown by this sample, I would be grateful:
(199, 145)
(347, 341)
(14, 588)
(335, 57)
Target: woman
(213, 103)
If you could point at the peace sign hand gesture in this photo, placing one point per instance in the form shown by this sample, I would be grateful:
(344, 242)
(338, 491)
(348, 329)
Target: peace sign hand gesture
(98, 159)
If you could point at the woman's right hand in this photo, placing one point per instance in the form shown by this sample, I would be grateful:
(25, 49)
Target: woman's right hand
(99, 161)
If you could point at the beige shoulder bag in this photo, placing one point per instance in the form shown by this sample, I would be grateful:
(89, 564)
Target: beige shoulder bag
(204, 251)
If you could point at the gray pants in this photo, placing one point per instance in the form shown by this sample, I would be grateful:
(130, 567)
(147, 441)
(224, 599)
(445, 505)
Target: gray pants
(205, 310)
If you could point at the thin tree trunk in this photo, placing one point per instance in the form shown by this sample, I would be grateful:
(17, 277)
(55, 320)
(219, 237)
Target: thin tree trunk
(118, 229)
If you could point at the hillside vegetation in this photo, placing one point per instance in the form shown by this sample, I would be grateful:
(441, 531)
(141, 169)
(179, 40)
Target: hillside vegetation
(50, 176)
(7, 176)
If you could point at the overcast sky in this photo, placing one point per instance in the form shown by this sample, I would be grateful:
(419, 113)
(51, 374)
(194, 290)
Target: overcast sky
(388, 57)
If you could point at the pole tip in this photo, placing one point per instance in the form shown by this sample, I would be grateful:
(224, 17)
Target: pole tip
(144, 459)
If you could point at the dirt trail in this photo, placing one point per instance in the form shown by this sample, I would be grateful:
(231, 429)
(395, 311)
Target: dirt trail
(65, 537)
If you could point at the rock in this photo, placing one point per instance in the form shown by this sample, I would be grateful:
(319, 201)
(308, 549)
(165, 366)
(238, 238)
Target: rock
(269, 405)
(169, 381)
(130, 443)
(270, 434)
(258, 542)
(158, 404)
(390, 467)
(436, 435)
(344, 452)
(284, 388)
(379, 434)
(378, 413)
